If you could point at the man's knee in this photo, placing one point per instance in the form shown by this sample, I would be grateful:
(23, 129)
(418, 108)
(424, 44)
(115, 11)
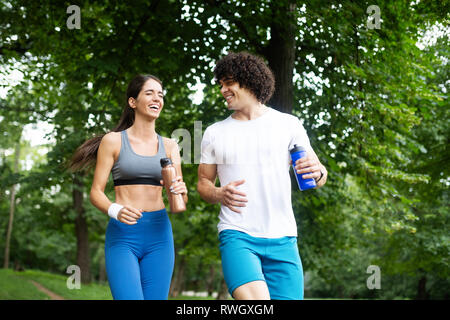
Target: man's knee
(254, 290)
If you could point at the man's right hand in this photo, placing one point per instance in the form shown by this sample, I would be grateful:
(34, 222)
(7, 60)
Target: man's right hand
(231, 197)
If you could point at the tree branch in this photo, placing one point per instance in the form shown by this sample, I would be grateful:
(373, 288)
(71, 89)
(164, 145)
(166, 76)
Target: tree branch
(141, 24)
(240, 25)
(18, 48)
(19, 110)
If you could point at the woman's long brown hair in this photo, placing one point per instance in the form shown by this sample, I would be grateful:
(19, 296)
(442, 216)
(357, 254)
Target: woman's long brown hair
(86, 155)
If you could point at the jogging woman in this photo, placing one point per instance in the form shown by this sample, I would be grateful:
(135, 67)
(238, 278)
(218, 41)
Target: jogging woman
(139, 250)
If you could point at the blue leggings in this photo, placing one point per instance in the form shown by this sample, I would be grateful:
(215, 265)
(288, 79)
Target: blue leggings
(140, 258)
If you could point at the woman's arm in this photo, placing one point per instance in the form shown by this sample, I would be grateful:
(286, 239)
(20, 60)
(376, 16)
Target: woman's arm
(178, 186)
(105, 161)
(109, 146)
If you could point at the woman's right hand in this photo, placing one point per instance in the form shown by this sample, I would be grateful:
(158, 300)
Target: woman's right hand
(129, 215)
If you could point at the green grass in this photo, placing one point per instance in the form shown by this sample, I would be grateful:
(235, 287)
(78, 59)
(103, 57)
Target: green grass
(13, 287)
(17, 286)
(191, 298)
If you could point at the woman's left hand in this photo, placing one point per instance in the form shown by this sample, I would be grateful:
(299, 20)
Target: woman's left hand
(178, 186)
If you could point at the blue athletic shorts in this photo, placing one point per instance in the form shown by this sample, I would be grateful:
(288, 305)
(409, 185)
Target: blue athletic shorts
(140, 257)
(275, 261)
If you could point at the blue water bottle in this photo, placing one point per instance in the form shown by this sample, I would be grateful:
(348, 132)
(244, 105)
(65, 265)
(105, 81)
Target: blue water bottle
(298, 152)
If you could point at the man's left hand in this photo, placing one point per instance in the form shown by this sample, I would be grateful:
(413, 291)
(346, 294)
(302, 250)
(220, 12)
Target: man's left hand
(309, 165)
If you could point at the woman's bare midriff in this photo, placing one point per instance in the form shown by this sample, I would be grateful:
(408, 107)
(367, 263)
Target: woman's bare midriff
(145, 197)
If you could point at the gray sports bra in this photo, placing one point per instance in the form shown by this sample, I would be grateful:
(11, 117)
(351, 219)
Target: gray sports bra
(132, 168)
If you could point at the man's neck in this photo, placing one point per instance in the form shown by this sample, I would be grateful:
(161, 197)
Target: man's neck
(250, 112)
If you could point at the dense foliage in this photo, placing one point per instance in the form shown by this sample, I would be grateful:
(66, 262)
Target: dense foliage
(374, 103)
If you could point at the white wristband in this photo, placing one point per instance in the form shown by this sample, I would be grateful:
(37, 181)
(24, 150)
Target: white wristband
(113, 210)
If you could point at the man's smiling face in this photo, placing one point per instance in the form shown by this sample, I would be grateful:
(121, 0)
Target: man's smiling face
(235, 96)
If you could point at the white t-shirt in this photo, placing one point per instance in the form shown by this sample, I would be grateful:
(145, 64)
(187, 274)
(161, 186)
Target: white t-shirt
(256, 151)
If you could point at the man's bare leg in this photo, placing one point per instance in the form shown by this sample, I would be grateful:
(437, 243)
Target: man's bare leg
(255, 290)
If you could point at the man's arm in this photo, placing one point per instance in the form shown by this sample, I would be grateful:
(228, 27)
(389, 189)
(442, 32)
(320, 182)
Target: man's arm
(207, 174)
(322, 179)
(311, 165)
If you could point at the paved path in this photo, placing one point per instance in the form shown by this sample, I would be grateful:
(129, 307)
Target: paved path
(52, 295)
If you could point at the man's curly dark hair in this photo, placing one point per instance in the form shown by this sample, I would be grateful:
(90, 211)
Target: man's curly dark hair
(249, 71)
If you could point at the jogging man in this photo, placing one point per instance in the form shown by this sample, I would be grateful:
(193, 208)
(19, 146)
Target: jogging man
(249, 152)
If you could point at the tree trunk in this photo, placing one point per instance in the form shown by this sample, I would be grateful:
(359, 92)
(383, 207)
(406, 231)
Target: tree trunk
(81, 230)
(211, 278)
(178, 283)
(11, 208)
(223, 291)
(280, 54)
(101, 266)
(421, 289)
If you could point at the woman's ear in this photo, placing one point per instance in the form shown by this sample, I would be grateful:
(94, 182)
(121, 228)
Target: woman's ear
(132, 102)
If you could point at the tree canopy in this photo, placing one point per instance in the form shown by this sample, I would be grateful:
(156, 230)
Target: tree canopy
(373, 101)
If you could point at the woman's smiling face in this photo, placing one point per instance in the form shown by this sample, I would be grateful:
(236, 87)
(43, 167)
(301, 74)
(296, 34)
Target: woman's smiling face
(150, 100)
